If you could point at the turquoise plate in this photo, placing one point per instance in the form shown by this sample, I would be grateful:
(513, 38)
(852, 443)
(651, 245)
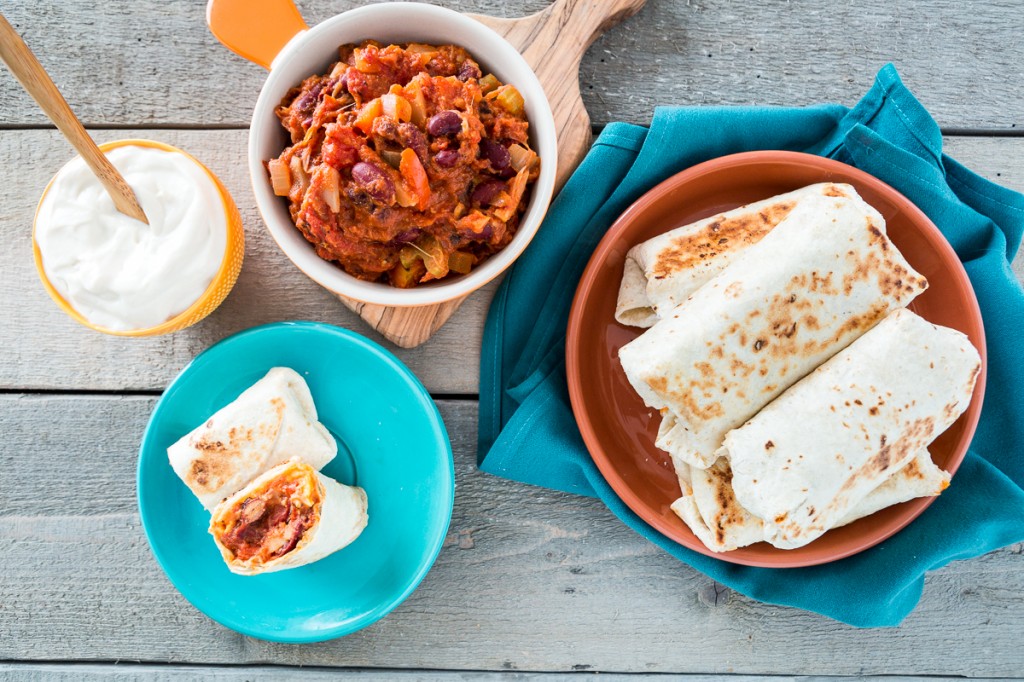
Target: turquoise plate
(392, 443)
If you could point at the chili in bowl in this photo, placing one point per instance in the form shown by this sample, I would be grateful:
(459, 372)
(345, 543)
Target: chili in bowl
(386, 234)
(407, 164)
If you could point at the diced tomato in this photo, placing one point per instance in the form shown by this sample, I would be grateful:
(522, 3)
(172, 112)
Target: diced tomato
(413, 173)
(341, 146)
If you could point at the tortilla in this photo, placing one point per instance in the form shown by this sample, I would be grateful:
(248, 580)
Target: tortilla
(709, 507)
(811, 456)
(289, 516)
(826, 274)
(270, 422)
(663, 271)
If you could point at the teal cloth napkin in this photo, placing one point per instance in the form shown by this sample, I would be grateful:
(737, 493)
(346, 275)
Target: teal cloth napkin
(527, 431)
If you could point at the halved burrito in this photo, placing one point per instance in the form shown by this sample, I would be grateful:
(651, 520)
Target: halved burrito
(811, 456)
(270, 422)
(708, 504)
(826, 274)
(289, 516)
(663, 271)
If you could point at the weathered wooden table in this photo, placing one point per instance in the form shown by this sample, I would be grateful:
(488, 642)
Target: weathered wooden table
(529, 580)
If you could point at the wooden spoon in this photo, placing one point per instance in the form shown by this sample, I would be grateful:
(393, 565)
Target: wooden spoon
(33, 77)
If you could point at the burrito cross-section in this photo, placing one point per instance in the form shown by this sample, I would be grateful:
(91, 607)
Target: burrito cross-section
(289, 516)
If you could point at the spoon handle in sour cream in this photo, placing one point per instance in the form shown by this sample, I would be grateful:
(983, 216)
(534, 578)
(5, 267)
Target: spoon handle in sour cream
(33, 77)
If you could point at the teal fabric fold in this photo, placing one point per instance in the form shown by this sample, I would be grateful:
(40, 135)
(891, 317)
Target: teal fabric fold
(527, 432)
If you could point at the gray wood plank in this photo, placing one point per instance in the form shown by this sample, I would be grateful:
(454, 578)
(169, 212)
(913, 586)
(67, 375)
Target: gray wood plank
(29, 672)
(147, 62)
(529, 580)
(47, 350)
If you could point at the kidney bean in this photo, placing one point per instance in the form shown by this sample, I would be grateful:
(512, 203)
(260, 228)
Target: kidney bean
(374, 182)
(498, 155)
(446, 158)
(444, 123)
(468, 70)
(486, 191)
(483, 235)
(407, 236)
(307, 102)
(412, 138)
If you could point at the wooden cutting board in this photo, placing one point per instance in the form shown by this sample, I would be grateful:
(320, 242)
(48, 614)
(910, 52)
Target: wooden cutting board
(553, 42)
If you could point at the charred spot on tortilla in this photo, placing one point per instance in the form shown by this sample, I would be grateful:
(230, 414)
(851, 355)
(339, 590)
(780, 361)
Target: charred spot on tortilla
(198, 472)
(834, 191)
(686, 250)
(208, 445)
(208, 473)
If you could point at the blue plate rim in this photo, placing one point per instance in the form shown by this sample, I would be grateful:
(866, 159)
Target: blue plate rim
(430, 557)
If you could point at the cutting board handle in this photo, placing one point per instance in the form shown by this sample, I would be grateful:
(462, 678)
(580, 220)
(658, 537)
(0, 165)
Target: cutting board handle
(553, 42)
(583, 21)
(566, 28)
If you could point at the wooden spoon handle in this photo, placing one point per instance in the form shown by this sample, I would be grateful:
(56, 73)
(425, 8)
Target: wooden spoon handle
(33, 77)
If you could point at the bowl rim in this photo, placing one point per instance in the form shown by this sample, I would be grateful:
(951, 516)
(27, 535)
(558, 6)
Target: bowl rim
(604, 462)
(228, 268)
(429, 557)
(331, 276)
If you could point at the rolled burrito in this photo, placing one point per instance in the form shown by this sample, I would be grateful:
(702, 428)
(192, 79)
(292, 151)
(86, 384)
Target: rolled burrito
(289, 516)
(821, 278)
(663, 271)
(270, 422)
(709, 507)
(806, 460)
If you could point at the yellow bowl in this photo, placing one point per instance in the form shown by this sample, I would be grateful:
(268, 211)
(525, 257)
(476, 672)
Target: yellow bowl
(214, 294)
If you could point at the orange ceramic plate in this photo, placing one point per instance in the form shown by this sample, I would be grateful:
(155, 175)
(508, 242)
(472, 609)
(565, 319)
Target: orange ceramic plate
(619, 429)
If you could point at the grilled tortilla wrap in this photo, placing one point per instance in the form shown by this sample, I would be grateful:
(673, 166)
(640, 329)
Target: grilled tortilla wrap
(825, 275)
(663, 271)
(270, 422)
(289, 516)
(811, 456)
(709, 507)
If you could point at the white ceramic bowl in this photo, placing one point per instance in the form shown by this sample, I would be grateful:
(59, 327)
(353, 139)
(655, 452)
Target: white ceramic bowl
(311, 52)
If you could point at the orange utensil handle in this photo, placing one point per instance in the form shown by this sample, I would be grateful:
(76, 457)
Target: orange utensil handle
(254, 29)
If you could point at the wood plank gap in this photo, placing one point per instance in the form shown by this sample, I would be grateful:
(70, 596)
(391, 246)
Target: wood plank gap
(149, 393)
(131, 126)
(105, 668)
(144, 393)
(474, 397)
(1013, 131)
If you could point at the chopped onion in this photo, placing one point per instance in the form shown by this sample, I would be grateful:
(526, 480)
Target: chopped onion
(516, 188)
(396, 107)
(522, 157)
(331, 188)
(280, 177)
(300, 178)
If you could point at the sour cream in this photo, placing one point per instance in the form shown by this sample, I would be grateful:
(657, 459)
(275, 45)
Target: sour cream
(117, 272)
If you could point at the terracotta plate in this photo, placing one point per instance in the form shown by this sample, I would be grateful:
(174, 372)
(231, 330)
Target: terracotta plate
(619, 430)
